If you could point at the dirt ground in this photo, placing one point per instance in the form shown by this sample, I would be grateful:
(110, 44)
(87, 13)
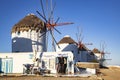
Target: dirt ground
(112, 73)
(45, 78)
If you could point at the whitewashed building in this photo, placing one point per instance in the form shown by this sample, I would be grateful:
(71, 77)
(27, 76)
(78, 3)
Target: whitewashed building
(80, 55)
(99, 56)
(26, 35)
(13, 62)
(68, 44)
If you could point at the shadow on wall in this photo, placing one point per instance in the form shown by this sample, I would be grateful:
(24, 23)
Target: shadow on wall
(24, 44)
(21, 45)
(1, 66)
(71, 47)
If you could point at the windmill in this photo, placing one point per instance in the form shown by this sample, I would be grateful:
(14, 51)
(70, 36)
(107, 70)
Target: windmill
(102, 53)
(50, 24)
(79, 42)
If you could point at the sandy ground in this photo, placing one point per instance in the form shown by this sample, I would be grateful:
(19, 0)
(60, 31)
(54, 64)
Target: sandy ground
(113, 73)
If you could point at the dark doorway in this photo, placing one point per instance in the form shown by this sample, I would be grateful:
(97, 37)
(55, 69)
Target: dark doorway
(61, 64)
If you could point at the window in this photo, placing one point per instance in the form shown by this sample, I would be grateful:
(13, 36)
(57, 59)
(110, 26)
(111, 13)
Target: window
(14, 41)
(18, 33)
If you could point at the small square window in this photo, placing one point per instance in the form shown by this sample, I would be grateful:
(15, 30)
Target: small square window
(18, 33)
(30, 56)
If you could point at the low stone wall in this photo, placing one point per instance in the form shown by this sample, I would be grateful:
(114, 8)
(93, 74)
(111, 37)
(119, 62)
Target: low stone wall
(87, 65)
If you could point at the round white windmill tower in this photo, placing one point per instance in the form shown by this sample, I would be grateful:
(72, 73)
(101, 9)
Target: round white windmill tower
(26, 35)
(68, 44)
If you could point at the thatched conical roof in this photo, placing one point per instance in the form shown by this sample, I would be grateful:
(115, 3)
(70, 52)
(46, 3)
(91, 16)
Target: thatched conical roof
(29, 22)
(82, 47)
(66, 39)
(95, 50)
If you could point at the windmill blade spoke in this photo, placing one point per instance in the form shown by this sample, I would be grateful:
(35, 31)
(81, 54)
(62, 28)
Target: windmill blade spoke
(82, 39)
(54, 38)
(47, 9)
(57, 20)
(51, 10)
(54, 46)
(57, 30)
(44, 33)
(61, 24)
(42, 9)
(42, 16)
(77, 37)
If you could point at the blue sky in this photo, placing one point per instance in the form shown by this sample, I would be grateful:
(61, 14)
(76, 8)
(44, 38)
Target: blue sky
(99, 19)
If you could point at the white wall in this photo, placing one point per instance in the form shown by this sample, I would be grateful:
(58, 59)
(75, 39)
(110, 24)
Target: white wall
(18, 60)
(27, 58)
(50, 60)
(69, 47)
(98, 56)
(82, 56)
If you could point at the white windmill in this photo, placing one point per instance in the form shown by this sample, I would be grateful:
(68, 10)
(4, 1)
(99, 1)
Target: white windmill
(103, 54)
